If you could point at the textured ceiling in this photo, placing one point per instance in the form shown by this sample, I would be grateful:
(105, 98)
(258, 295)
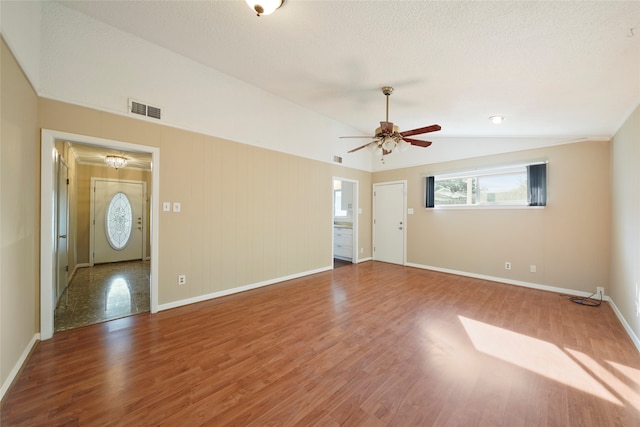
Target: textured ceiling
(553, 69)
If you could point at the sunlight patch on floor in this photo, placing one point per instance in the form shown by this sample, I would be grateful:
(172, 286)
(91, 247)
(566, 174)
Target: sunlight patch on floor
(534, 355)
(631, 373)
(606, 377)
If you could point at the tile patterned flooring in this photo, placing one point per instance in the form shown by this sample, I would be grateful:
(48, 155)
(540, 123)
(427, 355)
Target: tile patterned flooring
(104, 292)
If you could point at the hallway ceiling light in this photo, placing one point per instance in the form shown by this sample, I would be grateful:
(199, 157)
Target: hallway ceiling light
(265, 7)
(116, 162)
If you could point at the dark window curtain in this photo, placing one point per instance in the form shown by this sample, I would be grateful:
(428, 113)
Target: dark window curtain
(430, 192)
(537, 185)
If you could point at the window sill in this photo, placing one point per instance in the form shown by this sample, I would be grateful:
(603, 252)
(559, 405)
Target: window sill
(483, 207)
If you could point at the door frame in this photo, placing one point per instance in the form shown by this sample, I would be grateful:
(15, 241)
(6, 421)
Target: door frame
(92, 222)
(404, 218)
(354, 221)
(48, 217)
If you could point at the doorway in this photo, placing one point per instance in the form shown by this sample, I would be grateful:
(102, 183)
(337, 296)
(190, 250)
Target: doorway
(345, 221)
(49, 215)
(114, 283)
(389, 222)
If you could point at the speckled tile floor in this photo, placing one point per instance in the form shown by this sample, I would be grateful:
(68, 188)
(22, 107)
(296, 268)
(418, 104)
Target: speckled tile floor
(104, 292)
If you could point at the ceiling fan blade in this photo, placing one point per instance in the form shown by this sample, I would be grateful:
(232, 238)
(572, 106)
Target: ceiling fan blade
(358, 148)
(418, 142)
(386, 127)
(357, 137)
(427, 129)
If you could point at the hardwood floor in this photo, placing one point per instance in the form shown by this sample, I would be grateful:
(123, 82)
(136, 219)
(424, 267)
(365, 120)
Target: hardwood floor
(371, 344)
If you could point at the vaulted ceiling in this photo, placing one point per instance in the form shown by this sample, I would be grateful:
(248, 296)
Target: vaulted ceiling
(553, 69)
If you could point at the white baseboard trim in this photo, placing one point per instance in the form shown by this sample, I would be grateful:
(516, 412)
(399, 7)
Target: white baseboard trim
(16, 368)
(626, 325)
(507, 281)
(75, 270)
(359, 260)
(231, 291)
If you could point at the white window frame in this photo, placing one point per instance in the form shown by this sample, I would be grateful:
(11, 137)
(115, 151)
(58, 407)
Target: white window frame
(478, 173)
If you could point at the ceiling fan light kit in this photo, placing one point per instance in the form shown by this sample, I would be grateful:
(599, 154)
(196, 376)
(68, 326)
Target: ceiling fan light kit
(389, 139)
(265, 7)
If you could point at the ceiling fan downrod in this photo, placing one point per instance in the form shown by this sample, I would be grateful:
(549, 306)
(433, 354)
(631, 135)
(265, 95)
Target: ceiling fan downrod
(387, 90)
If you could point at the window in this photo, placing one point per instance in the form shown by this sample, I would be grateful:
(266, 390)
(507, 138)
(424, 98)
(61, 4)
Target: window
(337, 200)
(512, 186)
(118, 221)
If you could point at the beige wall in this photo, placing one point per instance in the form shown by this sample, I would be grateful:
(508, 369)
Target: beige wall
(83, 204)
(248, 214)
(568, 241)
(625, 223)
(19, 213)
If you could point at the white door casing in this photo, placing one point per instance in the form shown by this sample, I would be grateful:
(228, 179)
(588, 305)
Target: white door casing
(389, 222)
(48, 214)
(104, 249)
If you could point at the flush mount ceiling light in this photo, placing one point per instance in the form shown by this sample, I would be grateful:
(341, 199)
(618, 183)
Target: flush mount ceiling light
(496, 119)
(265, 7)
(116, 162)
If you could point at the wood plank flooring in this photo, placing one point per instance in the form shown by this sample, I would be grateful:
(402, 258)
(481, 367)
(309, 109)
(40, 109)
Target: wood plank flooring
(371, 344)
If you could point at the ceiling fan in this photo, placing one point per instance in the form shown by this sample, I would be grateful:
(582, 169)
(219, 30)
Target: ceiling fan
(387, 138)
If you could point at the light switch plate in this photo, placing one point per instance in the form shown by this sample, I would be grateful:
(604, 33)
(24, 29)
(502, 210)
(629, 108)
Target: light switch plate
(166, 206)
(176, 206)
(410, 211)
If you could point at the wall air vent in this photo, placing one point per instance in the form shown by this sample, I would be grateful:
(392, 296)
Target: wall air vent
(337, 159)
(136, 107)
(153, 112)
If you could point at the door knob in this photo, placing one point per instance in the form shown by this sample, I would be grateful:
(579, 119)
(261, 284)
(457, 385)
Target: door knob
(63, 236)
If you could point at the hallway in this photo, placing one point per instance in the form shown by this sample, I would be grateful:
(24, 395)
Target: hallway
(104, 292)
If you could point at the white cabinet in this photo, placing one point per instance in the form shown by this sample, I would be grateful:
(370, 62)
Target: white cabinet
(343, 243)
(347, 196)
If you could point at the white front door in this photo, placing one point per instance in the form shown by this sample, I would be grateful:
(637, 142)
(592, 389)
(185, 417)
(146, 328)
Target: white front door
(118, 220)
(62, 225)
(389, 222)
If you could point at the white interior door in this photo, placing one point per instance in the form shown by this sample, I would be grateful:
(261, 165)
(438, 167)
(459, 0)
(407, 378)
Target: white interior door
(118, 220)
(62, 225)
(389, 222)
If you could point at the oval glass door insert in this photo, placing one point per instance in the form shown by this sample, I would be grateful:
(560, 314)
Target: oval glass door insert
(119, 221)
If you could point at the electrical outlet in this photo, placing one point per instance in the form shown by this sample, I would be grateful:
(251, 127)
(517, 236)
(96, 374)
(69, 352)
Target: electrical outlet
(507, 266)
(182, 279)
(532, 268)
(600, 292)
